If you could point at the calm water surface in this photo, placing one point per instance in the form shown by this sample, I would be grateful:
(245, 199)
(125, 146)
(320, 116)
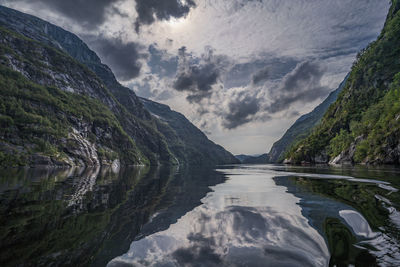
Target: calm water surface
(246, 215)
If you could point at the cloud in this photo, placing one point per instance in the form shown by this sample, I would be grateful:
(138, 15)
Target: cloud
(260, 76)
(241, 109)
(162, 63)
(262, 101)
(150, 10)
(156, 75)
(89, 13)
(297, 28)
(305, 74)
(303, 84)
(123, 57)
(265, 67)
(198, 78)
(152, 86)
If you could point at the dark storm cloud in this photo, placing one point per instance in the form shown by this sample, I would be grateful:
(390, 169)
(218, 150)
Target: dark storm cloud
(150, 10)
(241, 110)
(89, 13)
(123, 58)
(303, 84)
(260, 75)
(92, 13)
(198, 78)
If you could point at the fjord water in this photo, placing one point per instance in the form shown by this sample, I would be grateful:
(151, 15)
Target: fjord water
(243, 215)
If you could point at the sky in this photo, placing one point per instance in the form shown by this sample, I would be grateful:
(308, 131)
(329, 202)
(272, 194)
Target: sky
(241, 70)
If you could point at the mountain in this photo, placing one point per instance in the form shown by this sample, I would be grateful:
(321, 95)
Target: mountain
(247, 159)
(302, 127)
(242, 157)
(61, 106)
(184, 138)
(363, 125)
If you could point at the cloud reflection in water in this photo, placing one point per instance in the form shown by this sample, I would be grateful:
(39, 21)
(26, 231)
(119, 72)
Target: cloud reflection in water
(264, 226)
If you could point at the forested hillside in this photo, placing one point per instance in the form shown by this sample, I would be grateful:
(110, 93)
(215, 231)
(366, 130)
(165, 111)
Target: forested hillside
(363, 125)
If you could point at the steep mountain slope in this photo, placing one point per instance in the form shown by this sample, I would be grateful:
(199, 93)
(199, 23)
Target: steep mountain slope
(363, 125)
(83, 74)
(302, 127)
(185, 139)
(135, 119)
(55, 111)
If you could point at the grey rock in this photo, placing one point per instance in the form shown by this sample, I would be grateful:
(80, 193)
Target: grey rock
(346, 157)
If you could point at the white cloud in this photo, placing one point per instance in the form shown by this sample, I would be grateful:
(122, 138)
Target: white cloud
(242, 29)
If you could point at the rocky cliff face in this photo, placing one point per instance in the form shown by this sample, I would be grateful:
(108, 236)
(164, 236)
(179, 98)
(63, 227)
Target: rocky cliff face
(363, 125)
(97, 119)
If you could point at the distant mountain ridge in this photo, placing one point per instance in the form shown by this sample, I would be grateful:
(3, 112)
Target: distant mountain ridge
(41, 53)
(253, 159)
(302, 127)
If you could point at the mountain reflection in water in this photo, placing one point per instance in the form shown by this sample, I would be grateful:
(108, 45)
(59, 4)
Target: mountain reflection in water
(260, 215)
(86, 217)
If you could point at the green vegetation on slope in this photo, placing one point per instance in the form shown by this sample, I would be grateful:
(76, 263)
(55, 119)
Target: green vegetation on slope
(37, 119)
(366, 112)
